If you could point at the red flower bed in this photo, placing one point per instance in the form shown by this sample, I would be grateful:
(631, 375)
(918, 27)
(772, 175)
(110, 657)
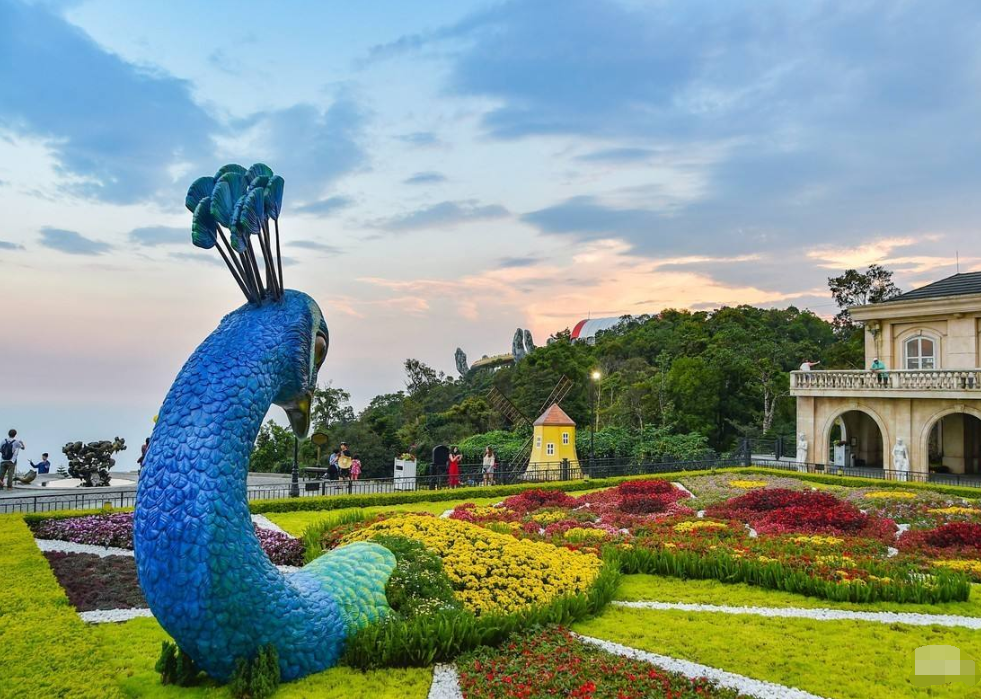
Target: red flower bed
(552, 663)
(93, 582)
(646, 504)
(963, 537)
(768, 500)
(531, 500)
(648, 488)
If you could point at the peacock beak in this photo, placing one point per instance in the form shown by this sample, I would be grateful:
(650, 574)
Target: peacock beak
(298, 412)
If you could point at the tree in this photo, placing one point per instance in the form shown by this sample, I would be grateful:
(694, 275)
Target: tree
(330, 405)
(420, 377)
(273, 451)
(854, 288)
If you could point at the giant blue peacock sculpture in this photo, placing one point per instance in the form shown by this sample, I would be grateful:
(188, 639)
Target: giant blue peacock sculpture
(200, 565)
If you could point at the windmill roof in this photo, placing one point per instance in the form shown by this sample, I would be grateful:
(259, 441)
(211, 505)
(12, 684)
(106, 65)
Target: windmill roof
(555, 416)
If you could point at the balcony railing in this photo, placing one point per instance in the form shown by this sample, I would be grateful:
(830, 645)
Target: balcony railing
(864, 380)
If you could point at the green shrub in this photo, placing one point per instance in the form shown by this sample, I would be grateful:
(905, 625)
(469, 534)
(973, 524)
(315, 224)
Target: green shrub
(421, 641)
(314, 534)
(257, 678)
(418, 584)
(175, 666)
(941, 587)
(859, 482)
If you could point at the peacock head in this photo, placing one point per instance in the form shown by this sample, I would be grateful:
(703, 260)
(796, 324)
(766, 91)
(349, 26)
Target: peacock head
(302, 349)
(235, 211)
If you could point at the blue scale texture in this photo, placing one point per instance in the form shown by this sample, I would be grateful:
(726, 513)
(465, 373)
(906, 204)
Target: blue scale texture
(200, 565)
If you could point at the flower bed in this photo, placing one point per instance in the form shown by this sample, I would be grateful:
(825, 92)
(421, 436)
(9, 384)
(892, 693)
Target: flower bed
(553, 663)
(711, 489)
(491, 572)
(116, 530)
(97, 582)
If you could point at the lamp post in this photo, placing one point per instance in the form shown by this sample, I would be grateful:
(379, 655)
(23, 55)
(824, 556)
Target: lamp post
(295, 482)
(595, 376)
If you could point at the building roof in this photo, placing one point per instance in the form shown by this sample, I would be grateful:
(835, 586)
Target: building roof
(586, 329)
(555, 416)
(957, 285)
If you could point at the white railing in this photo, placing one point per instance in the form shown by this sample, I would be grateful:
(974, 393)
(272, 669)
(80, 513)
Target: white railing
(924, 380)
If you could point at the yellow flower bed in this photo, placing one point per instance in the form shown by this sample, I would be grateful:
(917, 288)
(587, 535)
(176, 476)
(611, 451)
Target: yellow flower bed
(748, 485)
(695, 525)
(818, 540)
(896, 494)
(492, 572)
(955, 510)
(582, 534)
(963, 566)
(547, 518)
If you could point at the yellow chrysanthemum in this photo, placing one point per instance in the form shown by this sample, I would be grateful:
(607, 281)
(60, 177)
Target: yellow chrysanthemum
(747, 485)
(818, 540)
(893, 494)
(694, 525)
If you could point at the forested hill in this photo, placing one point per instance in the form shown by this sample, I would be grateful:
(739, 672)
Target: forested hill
(720, 375)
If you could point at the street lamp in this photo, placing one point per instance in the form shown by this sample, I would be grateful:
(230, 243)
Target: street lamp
(595, 376)
(295, 482)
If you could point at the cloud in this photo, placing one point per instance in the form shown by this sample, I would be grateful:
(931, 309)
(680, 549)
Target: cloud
(421, 139)
(310, 147)
(152, 236)
(326, 206)
(71, 242)
(616, 156)
(6, 245)
(518, 261)
(443, 215)
(314, 245)
(203, 257)
(425, 178)
(115, 129)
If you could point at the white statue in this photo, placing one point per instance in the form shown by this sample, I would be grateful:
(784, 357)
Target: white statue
(900, 457)
(801, 447)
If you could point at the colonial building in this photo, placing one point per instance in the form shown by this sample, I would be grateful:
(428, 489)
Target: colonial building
(925, 405)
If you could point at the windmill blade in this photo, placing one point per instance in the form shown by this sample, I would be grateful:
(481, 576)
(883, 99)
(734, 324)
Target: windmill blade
(558, 393)
(505, 407)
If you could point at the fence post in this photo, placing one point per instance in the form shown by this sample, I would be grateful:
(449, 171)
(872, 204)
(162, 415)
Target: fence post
(747, 453)
(564, 475)
(778, 449)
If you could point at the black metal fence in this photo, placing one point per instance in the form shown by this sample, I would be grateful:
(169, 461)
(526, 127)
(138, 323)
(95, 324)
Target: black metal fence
(472, 475)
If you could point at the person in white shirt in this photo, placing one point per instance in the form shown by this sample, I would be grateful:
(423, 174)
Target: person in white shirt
(806, 366)
(9, 449)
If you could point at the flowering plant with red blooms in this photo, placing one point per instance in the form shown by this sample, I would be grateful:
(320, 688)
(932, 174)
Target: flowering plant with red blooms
(653, 487)
(962, 538)
(531, 500)
(553, 663)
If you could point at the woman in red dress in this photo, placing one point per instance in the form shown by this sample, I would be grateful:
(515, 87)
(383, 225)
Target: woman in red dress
(454, 468)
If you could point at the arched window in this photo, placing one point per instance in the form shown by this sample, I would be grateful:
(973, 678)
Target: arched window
(921, 353)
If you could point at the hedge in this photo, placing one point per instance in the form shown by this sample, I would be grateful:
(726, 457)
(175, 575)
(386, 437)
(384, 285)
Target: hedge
(860, 482)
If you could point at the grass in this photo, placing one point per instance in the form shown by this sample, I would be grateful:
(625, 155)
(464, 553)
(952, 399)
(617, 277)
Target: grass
(834, 659)
(656, 588)
(135, 646)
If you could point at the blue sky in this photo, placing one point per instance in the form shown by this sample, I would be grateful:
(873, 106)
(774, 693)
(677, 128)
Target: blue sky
(458, 169)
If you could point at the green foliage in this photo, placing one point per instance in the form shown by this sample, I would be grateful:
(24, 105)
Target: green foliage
(421, 641)
(773, 575)
(418, 584)
(313, 535)
(273, 451)
(854, 288)
(175, 666)
(258, 677)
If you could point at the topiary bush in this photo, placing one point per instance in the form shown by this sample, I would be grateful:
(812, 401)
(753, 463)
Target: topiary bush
(257, 678)
(418, 585)
(175, 666)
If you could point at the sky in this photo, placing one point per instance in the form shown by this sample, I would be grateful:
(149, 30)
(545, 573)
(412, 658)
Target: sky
(455, 170)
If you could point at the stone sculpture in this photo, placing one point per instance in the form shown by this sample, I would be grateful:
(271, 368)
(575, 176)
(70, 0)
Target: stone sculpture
(900, 457)
(801, 448)
(461, 362)
(518, 345)
(200, 565)
(91, 462)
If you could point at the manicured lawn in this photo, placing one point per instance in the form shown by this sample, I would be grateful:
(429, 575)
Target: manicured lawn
(135, 645)
(656, 588)
(835, 659)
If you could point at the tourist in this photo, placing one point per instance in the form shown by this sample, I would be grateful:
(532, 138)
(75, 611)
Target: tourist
(490, 461)
(9, 449)
(454, 468)
(143, 448)
(332, 473)
(42, 466)
(879, 369)
(806, 365)
(344, 462)
(355, 467)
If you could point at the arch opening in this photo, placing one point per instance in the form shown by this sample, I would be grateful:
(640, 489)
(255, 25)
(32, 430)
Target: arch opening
(954, 445)
(855, 441)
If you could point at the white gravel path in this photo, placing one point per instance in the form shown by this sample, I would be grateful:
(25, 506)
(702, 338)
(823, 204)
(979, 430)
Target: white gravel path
(818, 614)
(742, 684)
(264, 522)
(446, 514)
(683, 488)
(69, 547)
(446, 683)
(104, 616)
